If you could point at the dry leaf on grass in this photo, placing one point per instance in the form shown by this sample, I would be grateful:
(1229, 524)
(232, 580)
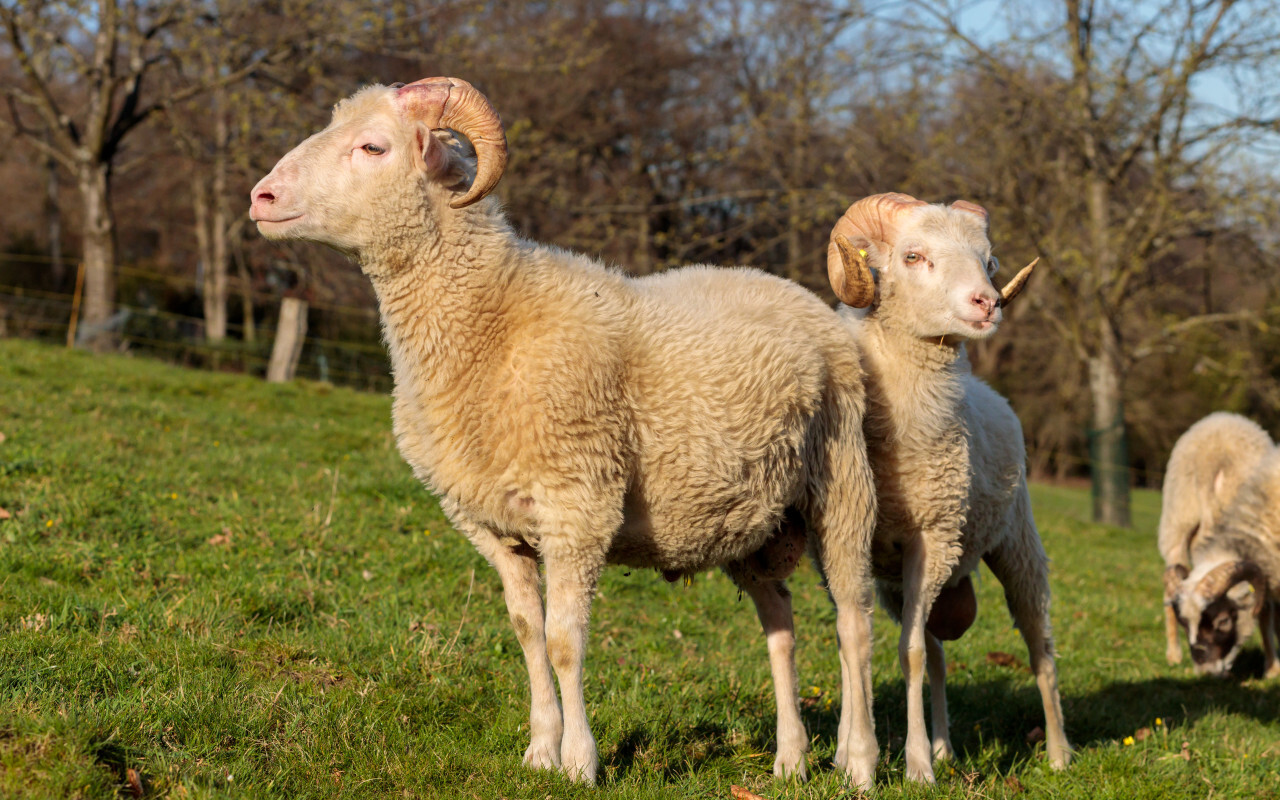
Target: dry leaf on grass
(4, 514)
(1015, 785)
(740, 793)
(221, 539)
(1002, 659)
(135, 782)
(1035, 735)
(1142, 734)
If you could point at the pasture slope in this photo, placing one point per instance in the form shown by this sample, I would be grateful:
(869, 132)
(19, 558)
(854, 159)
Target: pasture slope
(215, 587)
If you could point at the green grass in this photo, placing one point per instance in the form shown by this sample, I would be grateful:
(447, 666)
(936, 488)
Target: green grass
(238, 590)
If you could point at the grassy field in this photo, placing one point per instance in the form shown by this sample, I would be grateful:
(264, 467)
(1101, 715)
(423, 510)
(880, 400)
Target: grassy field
(215, 587)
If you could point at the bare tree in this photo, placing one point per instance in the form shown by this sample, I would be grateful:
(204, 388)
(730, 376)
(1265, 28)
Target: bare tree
(84, 88)
(1136, 107)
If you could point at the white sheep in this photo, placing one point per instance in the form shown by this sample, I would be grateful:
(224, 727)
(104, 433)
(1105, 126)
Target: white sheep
(946, 450)
(1206, 468)
(1230, 580)
(565, 413)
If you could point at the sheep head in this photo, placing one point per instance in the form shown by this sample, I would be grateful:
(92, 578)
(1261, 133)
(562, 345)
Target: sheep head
(1217, 609)
(385, 151)
(930, 266)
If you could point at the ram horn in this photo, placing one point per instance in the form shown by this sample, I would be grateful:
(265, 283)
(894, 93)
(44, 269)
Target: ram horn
(852, 281)
(1014, 287)
(1221, 578)
(454, 103)
(871, 219)
(1174, 575)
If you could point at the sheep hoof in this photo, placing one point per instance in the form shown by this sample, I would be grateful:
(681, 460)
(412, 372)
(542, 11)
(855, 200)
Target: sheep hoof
(862, 776)
(921, 772)
(1061, 759)
(542, 755)
(1273, 671)
(791, 768)
(942, 750)
(580, 770)
(1173, 656)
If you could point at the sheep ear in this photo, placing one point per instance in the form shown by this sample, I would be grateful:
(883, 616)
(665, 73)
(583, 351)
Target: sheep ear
(1174, 575)
(433, 156)
(850, 275)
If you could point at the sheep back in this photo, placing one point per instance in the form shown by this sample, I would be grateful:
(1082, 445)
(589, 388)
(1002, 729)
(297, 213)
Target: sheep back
(1208, 465)
(1249, 528)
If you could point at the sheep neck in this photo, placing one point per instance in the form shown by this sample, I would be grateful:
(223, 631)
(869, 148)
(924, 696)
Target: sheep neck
(441, 299)
(914, 385)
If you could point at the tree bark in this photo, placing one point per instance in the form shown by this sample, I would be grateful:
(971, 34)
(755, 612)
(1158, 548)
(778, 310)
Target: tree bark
(98, 234)
(53, 216)
(291, 330)
(1108, 452)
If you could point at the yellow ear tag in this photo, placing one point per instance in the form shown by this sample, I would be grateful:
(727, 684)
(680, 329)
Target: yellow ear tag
(862, 253)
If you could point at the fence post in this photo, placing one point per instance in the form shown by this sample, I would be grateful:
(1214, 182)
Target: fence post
(291, 330)
(75, 306)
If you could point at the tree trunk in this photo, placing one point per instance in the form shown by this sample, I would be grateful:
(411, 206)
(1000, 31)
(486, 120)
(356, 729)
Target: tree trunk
(93, 182)
(53, 214)
(291, 330)
(1108, 451)
(215, 275)
(249, 331)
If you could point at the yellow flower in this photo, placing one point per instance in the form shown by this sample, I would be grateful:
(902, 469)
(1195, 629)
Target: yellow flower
(48, 523)
(216, 443)
(1128, 740)
(1159, 722)
(173, 495)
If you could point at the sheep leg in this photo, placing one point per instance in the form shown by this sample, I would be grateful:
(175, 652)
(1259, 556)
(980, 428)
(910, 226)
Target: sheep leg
(922, 579)
(848, 580)
(1021, 566)
(1267, 621)
(773, 605)
(572, 573)
(518, 570)
(1172, 636)
(936, 661)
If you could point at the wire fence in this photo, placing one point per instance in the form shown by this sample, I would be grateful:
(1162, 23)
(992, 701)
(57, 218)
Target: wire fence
(344, 346)
(159, 315)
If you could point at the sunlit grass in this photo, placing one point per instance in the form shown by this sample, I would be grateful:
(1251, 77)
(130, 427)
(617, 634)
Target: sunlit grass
(217, 587)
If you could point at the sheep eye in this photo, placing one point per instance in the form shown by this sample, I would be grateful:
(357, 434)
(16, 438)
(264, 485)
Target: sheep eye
(912, 258)
(373, 149)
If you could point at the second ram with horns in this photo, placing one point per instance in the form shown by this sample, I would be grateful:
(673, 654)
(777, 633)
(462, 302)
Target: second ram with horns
(946, 450)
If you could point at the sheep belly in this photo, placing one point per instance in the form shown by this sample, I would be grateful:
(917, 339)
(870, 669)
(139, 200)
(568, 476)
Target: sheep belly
(724, 395)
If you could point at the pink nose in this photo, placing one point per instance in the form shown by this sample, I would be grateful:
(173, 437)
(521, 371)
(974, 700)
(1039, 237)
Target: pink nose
(984, 301)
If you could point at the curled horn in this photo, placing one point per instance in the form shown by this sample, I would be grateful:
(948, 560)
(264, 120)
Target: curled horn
(454, 103)
(1222, 577)
(1174, 575)
(873, 219)
(1014, 287)
(853, 282)
(976, 210)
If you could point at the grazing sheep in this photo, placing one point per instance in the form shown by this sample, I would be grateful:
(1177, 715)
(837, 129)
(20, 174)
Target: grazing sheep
(946, 450)
(1206, 468)
(1235, 576)
(565, 413)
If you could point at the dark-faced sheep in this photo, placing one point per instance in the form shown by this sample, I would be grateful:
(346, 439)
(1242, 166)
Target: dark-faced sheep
(567, 414)
(1206, 468)
(1220, 534)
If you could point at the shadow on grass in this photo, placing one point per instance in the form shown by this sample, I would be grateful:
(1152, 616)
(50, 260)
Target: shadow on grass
(990, 721)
